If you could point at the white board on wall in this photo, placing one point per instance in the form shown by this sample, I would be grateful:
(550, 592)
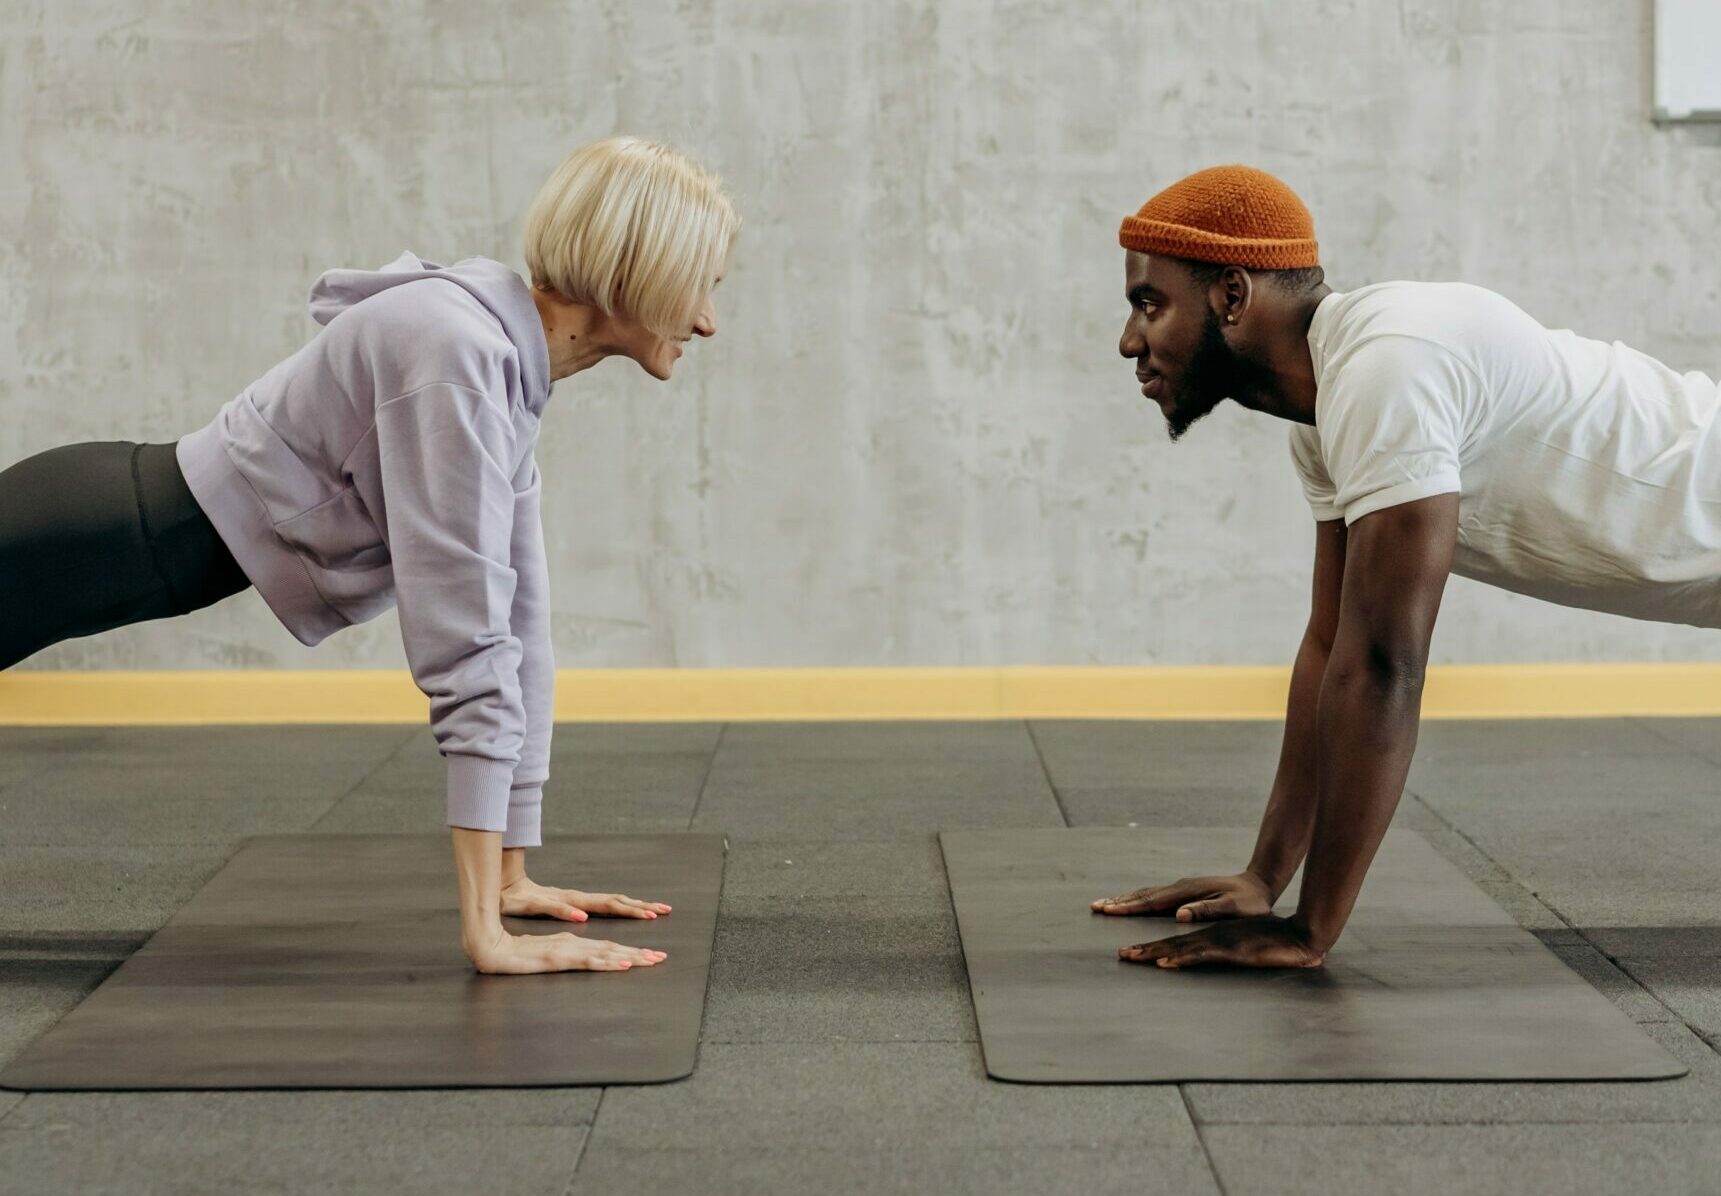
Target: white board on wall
(1688, 59)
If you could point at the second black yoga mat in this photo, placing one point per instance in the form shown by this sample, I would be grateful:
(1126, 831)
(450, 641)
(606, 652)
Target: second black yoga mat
(1431, 981)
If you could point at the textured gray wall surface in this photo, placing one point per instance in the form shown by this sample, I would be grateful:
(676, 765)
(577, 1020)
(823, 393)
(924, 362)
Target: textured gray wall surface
(912, 441)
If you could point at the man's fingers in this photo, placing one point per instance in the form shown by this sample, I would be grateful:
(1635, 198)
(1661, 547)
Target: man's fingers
(1123, 903)
(1184, 950)
(1142, 901)
(1144, 952)
(1206, 911)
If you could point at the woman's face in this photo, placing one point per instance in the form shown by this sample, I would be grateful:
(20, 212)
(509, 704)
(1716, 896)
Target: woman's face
(656, 354)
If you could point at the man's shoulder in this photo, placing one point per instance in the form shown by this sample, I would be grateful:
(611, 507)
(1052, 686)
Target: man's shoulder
(1455, 316)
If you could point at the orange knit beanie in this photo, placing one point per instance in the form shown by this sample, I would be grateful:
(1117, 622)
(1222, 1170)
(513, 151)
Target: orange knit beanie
(1228, 215)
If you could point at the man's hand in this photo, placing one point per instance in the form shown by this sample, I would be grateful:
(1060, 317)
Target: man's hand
(1196, 899)
(1249, 943)
(524, 898)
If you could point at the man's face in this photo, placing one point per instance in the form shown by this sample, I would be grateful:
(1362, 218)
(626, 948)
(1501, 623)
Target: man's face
(1173, 336)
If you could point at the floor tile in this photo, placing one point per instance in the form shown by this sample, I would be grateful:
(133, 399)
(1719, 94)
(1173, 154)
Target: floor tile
(524, 1141)
(874, 780)
(1477, 1160)
(885, 1118)
(1693, 1097)
(869, 969)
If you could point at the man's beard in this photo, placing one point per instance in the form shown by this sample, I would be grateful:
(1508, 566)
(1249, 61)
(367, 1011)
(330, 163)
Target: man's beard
(1214, 375)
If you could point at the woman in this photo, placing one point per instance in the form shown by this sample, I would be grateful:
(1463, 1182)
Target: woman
(389, 462)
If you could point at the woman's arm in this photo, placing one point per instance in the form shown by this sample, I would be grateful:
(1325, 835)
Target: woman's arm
(529, 620)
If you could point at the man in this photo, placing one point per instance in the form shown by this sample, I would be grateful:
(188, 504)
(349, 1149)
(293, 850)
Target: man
(1436, 429)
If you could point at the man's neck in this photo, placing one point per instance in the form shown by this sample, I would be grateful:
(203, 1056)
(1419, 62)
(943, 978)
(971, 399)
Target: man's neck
(1283, 382)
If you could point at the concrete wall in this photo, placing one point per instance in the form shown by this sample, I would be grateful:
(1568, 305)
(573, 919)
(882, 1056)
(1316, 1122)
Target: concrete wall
(912, 442)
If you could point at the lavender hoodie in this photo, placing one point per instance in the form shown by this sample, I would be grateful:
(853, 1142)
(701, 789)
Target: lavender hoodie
(390, 461)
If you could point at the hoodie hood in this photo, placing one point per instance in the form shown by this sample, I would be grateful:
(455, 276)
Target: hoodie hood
(502, 292)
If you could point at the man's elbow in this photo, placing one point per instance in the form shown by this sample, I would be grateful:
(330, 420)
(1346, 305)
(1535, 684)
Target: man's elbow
(1382, 666)
(1398, 667)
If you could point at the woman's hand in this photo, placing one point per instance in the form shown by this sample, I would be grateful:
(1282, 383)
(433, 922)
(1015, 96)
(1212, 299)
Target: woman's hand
(1196, 899)
(1248, 943)
(501, 953)
(524, 898)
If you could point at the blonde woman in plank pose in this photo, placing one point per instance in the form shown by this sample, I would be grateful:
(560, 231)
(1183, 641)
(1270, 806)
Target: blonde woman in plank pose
(389, 462)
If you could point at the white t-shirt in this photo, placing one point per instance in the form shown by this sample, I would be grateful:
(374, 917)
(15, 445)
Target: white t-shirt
(1588, 474)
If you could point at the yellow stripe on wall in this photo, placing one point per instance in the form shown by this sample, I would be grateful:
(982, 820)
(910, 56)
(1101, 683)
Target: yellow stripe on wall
(44, 698)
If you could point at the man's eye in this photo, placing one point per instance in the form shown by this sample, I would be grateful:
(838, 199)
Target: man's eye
(1146, 305)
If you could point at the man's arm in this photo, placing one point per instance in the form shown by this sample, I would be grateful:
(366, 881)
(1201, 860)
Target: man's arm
(1289, 819)
(1396, 564)
(1290, 815)
(1371, 699)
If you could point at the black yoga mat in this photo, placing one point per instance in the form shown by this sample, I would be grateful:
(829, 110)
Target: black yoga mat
(334, 961)
(1431, 981)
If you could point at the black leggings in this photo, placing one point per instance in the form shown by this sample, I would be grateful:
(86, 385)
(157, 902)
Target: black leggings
(96, 536)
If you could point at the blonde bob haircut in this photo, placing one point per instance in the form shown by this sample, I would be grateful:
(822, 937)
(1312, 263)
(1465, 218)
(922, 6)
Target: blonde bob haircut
(632, 228)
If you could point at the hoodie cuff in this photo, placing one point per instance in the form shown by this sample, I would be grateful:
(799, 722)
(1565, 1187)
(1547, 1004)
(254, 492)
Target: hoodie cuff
(525, 817)
(478, 792)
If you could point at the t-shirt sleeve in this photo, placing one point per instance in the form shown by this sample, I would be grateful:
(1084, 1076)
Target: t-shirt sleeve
(1312, 472)
(1390, 417)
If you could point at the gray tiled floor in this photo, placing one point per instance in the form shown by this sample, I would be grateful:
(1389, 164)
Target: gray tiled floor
(839, 1048)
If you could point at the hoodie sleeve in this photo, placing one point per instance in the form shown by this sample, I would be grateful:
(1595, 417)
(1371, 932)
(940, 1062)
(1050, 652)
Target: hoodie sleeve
(446, 452)
(531, 624)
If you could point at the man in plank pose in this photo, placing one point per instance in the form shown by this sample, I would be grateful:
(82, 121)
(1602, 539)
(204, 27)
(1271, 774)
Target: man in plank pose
(1436, 428)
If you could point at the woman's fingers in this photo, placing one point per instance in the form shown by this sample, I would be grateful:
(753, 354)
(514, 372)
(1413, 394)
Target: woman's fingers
(617, 905)
(643, 956)
(526, 899)
(572, 951)
(549, 905)
(534, 953)
(653, 908)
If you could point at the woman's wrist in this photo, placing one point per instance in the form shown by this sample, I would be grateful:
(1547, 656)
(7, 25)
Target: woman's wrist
(478, 865)
(480, 934)
(513, 865)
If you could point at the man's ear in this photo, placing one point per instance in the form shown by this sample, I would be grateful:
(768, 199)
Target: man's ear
(1236, 290)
